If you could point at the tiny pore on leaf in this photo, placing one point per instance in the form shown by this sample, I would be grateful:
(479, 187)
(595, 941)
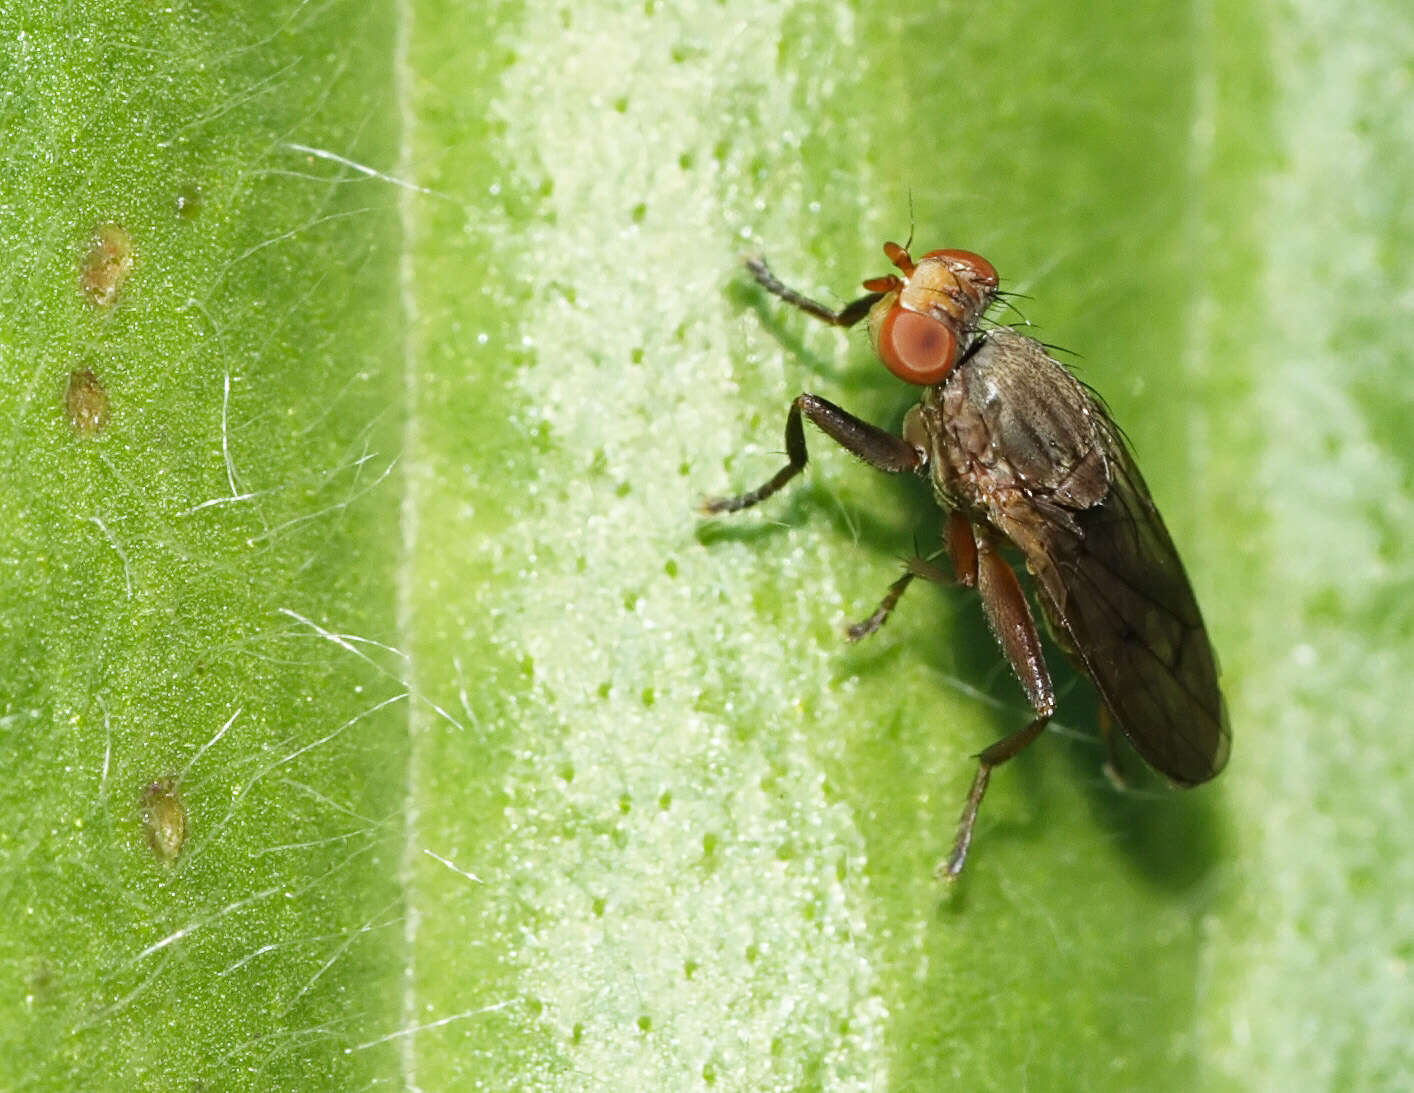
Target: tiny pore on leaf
(188, 201)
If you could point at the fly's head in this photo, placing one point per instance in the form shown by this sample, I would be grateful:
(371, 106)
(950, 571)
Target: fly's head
(921, 324)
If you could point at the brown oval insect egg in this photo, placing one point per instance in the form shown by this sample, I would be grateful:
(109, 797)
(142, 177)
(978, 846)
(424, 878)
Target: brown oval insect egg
(164, 819)
(106, 265)
(86, 401)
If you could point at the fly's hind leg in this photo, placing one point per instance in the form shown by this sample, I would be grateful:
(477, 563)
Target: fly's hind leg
(1010, 619)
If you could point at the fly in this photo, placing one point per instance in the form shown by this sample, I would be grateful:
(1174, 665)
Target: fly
(1018, 451)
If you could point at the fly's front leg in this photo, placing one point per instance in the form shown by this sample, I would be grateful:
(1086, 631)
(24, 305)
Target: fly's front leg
(881, 450)
(962, 550)
(848, 315)
(1010, 619)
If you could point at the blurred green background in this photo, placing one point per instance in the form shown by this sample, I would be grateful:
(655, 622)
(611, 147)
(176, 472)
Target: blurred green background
(503, 770)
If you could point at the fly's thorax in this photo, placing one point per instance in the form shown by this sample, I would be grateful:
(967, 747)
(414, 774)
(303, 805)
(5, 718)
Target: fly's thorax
(1016, 418)
(928, 428)
(966, 469)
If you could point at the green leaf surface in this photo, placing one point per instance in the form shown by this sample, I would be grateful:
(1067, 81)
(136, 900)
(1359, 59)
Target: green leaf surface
(378, 712)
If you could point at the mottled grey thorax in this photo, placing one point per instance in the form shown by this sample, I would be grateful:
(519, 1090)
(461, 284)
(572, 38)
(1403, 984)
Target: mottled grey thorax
(1010, 424)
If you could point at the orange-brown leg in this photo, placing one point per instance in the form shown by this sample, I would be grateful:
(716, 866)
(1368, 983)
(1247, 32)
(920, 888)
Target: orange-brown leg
(962, 549)
(1010, 618)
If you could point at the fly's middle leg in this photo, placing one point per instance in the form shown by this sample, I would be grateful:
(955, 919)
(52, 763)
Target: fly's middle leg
(962, 550)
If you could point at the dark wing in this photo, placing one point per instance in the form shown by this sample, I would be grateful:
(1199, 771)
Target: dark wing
(1118, 595)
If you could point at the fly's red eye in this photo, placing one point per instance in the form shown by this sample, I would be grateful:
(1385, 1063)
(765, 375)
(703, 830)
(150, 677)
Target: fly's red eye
(916, 348)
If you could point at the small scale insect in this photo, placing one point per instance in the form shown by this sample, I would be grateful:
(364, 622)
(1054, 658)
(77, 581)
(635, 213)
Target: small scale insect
(105, 265)
(86, 401)
(164, 819)
(1019, 451)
